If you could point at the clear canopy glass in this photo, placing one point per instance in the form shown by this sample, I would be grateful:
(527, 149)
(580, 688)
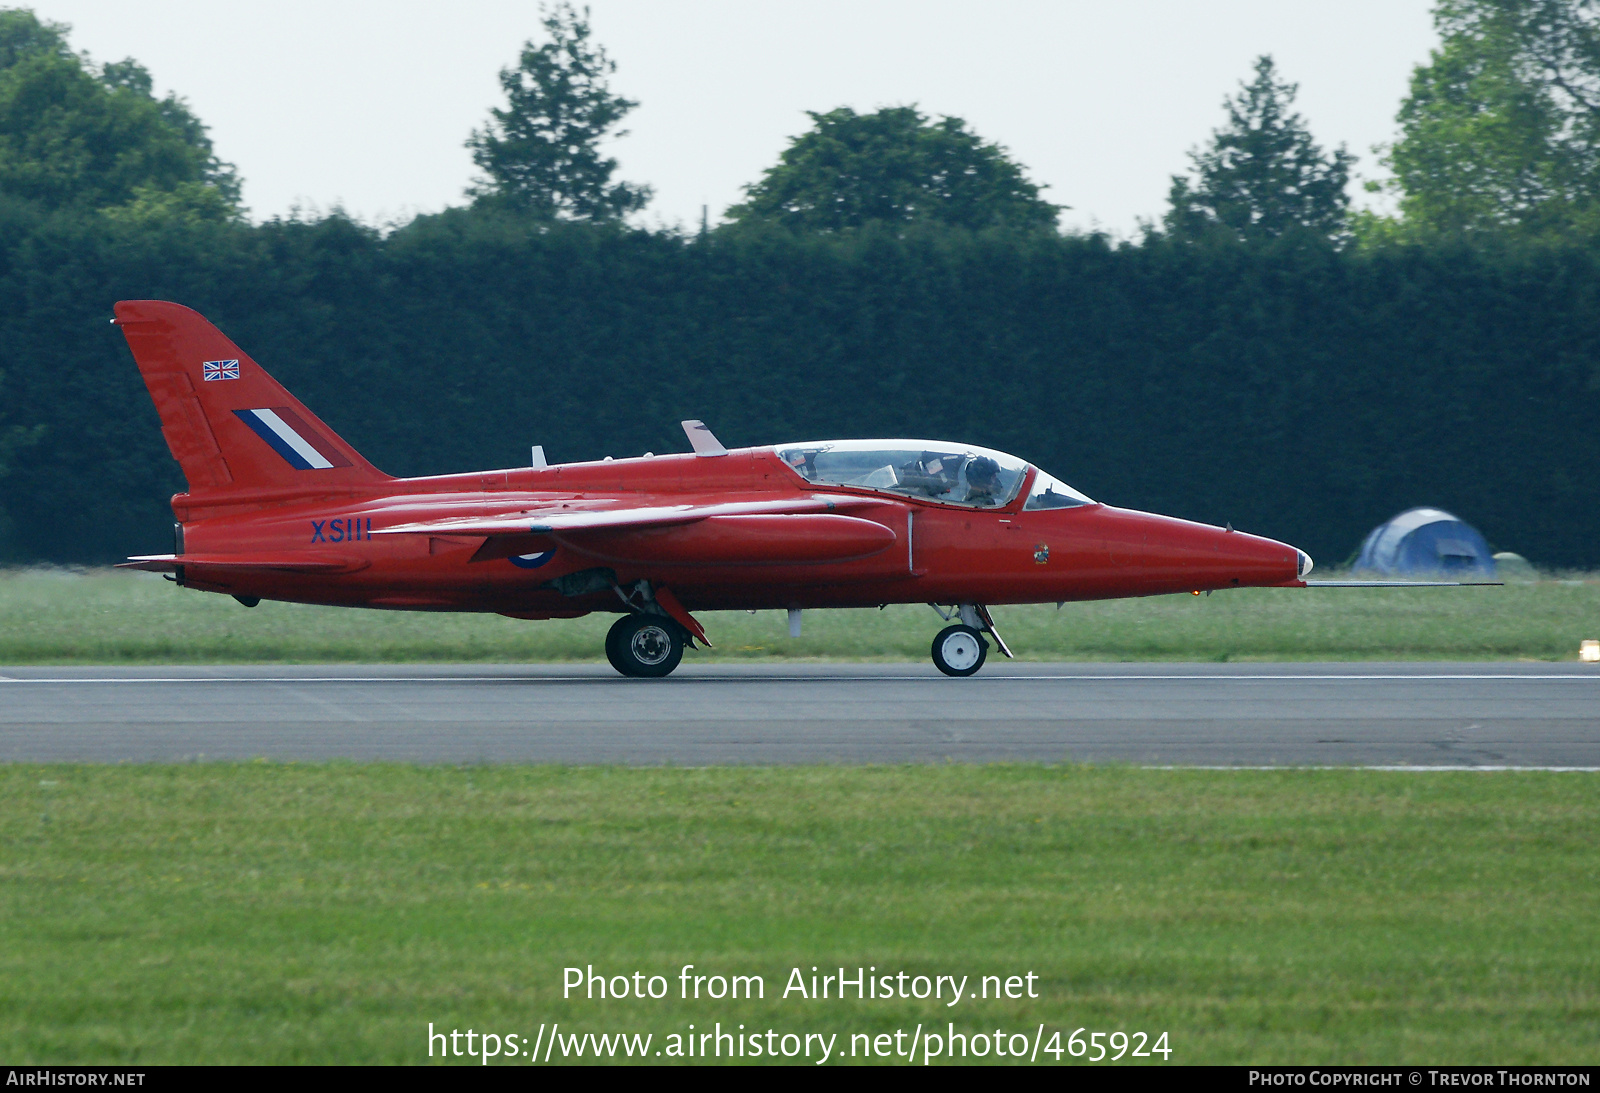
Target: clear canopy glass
(957, 474)
(1052, 493)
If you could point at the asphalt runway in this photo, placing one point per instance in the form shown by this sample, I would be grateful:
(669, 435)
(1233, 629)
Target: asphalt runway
(1400, 715)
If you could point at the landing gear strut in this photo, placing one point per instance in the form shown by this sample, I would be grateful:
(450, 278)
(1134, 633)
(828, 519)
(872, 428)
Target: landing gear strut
(960, 650)
(649, 642)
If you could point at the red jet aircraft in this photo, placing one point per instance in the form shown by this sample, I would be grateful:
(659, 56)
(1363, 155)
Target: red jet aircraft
(279, 507)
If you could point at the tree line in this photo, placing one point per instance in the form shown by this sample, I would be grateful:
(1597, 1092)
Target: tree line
(1260, 355)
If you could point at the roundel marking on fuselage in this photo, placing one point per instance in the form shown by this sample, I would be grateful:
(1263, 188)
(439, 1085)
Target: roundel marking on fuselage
(532, 561)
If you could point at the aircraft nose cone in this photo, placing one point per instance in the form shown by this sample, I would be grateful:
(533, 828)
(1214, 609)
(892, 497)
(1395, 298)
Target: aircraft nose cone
(1306, 564)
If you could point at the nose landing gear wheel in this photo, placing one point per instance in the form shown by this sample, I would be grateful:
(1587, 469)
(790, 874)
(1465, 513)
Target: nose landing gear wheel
(644, 646)
(959, 650)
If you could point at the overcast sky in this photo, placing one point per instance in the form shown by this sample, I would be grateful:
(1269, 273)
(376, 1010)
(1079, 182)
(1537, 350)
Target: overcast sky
(366, 105)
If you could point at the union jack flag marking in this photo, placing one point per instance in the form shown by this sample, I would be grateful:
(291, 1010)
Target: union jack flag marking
(219, 370)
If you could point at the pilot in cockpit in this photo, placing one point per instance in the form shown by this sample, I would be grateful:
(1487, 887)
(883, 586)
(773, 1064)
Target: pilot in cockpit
(983, 481)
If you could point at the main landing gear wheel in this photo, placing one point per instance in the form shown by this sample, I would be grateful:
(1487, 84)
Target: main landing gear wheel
(959, 650)
(645, 646)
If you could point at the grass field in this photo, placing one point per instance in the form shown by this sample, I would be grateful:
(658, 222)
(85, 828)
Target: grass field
(327, 913)
(284, 913)
(106, 617)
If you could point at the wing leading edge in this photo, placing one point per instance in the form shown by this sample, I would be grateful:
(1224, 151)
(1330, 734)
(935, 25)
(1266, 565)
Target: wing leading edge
(547, 522)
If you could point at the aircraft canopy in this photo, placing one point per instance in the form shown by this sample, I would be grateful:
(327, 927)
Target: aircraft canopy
(954, 473)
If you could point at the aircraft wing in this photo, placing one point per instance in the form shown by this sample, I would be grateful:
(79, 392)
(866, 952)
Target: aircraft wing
(546, 521)
(286, 562)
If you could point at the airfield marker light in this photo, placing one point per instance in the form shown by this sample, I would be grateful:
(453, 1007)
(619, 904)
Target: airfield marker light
(1589, 651)
(1196, 592)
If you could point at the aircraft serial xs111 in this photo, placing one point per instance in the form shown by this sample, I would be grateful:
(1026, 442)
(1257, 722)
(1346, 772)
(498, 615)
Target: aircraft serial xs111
(279, 507)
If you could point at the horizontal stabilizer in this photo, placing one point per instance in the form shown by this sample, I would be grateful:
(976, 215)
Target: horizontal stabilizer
(1404, 584)
(548, 522)
(287, 562)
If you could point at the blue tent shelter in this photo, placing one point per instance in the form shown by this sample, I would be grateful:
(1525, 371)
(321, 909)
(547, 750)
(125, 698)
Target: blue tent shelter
(1421, 541)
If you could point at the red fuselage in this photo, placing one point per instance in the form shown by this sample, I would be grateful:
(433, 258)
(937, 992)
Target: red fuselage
(867, 548)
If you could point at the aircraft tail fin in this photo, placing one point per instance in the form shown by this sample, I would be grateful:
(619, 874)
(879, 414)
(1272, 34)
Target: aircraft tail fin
(231, 427)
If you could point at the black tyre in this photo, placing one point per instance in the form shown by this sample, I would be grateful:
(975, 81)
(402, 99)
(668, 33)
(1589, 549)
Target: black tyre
(613, 637)
(959, 650)
(644, 646)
